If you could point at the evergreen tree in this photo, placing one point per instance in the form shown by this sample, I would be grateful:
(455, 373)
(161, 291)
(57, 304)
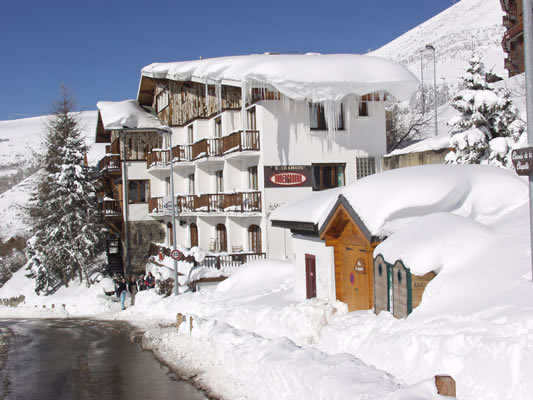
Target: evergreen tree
(488, 126)
(67, 229)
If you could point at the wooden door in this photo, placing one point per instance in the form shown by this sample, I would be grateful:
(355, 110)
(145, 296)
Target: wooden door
(310, 276)
(194, 235)
(356, 278)
(222, 240)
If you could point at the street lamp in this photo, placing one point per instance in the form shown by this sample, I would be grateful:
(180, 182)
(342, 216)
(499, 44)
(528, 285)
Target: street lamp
(432, 48)
(166, 131)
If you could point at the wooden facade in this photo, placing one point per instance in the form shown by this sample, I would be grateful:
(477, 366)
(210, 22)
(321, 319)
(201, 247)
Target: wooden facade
(513, 39)
(138, 144)
(396, 289)
(179, 103)
(353, 253)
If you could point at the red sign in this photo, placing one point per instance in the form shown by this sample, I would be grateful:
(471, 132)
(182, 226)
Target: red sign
(287, 176)
(161, 256)
(176, 255)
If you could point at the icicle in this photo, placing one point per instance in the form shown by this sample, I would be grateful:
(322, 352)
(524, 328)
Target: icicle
(206, 94)
(218, 94)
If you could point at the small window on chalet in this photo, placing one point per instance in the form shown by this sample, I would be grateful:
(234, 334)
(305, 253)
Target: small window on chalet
(191, 184)
(363, 108)
(252, 119)
(139, 191)
(317, 118)
(365, 166)
(327, 176)
(219, 181)
(162, 100)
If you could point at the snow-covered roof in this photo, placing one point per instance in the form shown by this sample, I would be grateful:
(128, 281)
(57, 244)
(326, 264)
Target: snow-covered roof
(313, 76)
(387, 202)
(126, 114)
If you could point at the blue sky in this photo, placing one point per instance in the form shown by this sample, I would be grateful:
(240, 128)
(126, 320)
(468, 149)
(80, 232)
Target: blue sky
(97, 48)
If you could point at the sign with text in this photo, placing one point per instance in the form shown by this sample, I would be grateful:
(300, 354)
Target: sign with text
(176, 255)
(167, 205)
(287, 176)
(523, 160)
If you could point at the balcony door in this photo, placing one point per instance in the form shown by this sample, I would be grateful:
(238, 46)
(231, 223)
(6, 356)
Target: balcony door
(254, 238)
(194, 234)
(222, 238)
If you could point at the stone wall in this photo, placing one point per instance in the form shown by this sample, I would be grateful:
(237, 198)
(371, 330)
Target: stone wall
(142, 234)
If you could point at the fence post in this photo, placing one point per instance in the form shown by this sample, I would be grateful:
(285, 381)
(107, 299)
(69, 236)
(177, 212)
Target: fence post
(218, 262)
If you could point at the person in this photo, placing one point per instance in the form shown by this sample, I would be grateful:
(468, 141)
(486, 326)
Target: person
(121, 291)
(141, 283)
(150, 281)
(132, 287)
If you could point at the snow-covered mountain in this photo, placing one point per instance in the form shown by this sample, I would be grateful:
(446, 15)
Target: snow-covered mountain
(18, 139)
(466, 27)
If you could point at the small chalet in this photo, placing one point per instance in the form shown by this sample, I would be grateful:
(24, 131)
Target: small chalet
(336, 233)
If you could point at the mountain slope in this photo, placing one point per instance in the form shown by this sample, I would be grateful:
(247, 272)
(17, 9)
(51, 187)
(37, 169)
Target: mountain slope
(468, 26)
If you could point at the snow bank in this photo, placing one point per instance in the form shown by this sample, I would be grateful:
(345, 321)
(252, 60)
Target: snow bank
(435, 241)
(126, 114)
(313, 77)
(388, 201)
(234, 362)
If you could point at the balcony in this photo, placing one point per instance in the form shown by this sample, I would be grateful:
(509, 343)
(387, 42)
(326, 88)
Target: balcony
(218, 261)
(206, 148)
(155, 205)
(240, 202)
(157, 158)
(111, 209)
(110, 165)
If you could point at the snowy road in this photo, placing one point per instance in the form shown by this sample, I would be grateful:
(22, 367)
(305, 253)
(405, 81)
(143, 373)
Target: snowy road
(65, 359)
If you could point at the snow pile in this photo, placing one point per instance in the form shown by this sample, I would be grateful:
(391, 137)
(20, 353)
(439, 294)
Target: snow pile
(386, 202)
(422, 250)
(126, 114)
(313, 77)
(232, 362)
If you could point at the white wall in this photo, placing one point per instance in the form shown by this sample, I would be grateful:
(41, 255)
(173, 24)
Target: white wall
(325, 267)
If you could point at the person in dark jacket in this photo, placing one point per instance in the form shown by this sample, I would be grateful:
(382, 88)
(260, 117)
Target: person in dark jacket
(132, 287)
(150, 281)
(121, 291)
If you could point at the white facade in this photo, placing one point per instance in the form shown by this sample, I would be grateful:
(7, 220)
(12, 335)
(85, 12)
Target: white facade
(285, 139)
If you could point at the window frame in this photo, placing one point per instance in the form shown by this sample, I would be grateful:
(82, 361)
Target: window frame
(333, 176)
(139, 189)
(322, 124)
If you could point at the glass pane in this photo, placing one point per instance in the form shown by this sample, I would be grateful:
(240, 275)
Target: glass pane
(133, 191)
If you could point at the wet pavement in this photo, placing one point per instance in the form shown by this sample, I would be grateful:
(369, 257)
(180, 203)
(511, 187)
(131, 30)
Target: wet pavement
(66, 359)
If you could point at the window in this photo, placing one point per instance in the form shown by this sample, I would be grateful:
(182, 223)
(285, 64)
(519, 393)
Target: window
(317, 117)
(252, 178)
(365, 166)
(190, 134)
(252, 121)
(162, 100)
(254, 238)
(139, 191)
(219, 181)
(194, 234)
(167, 184)
(327, 176)
(363, 109)
(221, 241)
(191, 184)
(218, 127)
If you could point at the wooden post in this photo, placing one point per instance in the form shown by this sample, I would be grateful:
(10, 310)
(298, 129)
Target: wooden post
(445, 385)
(190, 325)
(179, 319)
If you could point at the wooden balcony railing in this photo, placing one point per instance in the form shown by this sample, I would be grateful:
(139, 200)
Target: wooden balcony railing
(111, 208)
(199, 149)
(213, 261)
(110, 163)
(181, 153)
(158, 158)
(155, 205)
(221, 202)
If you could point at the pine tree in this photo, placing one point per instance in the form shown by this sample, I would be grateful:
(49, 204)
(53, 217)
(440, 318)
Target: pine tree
(67, 229)
(488, 126)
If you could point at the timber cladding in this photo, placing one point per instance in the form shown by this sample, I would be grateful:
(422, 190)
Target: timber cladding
(353, 254)
(396, 288)
(188, 101)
